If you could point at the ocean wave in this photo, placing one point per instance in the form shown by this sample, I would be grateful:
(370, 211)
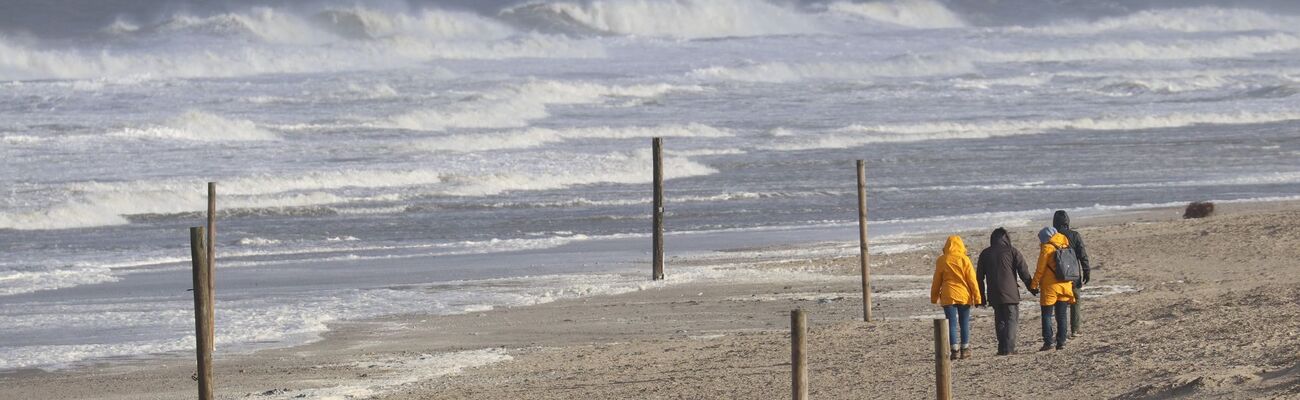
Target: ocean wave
(1197, 19)
(905, 13)
(907, 65)
(534, 137)
(686, 19)
(1231, 47)
(516, 106)
(90, 204)
(200, 126)
(858, 135)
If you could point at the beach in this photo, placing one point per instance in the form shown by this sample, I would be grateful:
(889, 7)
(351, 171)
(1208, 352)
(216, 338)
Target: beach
(1202, 308)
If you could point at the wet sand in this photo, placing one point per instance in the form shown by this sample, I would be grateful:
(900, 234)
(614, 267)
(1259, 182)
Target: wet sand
(1177, 308)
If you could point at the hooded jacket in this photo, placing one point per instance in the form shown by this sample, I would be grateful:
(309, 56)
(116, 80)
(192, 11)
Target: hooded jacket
(998, 267)
(1050, 289)
(954, 276)
(1061, 221)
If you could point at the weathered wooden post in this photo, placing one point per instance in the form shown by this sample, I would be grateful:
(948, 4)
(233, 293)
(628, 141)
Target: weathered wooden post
(942, 366)
(202, 311)
(212, 250)
(658, 273)
(798, 354)
(862, 240)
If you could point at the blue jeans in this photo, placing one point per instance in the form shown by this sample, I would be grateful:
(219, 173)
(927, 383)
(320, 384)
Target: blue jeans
(1060, 314)
(958, 314)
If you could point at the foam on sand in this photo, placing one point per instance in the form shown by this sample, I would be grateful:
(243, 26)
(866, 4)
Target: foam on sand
(391, 374)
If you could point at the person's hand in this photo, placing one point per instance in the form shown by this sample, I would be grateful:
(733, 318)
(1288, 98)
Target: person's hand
(982, 305)
(1086, 278)
(1033, 292)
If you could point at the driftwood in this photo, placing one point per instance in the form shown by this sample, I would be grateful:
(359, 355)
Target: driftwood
(1199, 209)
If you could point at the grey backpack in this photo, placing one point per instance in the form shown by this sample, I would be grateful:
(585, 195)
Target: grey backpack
(1067, 265)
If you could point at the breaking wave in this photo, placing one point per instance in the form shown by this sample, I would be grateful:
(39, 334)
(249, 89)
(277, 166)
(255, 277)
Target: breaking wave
(906, 13)
(685, 19)
(901, 66)
(858, 135)
(516, 106)
(1200, 19)
(535, 137)
(200, 126)
(102, 204)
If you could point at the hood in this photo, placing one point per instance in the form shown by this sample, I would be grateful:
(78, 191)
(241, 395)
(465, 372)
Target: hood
(1061, 221)
(954, 246)
(1060, 240)
(1046, 234)
(999, 238)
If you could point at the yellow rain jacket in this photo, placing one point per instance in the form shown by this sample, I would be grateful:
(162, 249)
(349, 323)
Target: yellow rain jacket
(954, 277)
(1050, 289)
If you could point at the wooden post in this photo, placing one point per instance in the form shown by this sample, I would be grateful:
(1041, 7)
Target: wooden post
(942, 366)
(862, 240)
(202, 311)
(798, 354)
(658, 273)
(212, 251)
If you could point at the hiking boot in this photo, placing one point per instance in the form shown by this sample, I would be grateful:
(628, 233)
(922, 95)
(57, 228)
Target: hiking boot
(965, 353)
(1045, 347)
(1003, 353)
(954, 356)
(1060, 347)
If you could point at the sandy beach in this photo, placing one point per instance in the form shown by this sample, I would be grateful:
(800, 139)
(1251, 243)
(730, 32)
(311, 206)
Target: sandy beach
(1177, 308)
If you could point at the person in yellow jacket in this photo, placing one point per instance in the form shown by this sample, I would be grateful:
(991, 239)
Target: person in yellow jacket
(955, 288)
(1055, 296)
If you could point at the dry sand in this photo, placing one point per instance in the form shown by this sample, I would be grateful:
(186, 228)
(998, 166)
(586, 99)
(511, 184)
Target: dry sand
(1216, 314)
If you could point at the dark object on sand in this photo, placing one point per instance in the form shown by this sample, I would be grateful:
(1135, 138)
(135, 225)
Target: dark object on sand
(1200, 209)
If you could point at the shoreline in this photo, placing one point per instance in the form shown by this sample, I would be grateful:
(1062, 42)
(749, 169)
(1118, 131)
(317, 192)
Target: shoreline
(480, 337)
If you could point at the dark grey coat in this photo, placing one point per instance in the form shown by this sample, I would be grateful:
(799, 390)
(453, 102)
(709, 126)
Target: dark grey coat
(997, 269)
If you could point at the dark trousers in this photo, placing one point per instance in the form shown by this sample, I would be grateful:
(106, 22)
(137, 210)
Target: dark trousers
(1056, 313)
(1005, 319)
(1076, 316)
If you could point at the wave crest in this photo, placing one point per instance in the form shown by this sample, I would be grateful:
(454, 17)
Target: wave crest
(685, 19)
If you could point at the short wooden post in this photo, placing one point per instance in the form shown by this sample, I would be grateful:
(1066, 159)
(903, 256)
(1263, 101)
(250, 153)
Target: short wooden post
(212, 251)
(798, 354)
(862, 240)
(942, 366)
(202, 311)
(658, 273)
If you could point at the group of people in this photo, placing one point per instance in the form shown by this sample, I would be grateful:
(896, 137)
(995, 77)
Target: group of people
(992, 281)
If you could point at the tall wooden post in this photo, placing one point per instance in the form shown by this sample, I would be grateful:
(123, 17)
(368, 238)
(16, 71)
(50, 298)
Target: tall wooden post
(658, 273)
(212, 249)
(862, 240)
(798, 354)
(942, 366)
(202, 311)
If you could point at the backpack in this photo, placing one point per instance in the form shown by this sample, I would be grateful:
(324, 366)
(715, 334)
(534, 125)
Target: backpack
(1067, 265)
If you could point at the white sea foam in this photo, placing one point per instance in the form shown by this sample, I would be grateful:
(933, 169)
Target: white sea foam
(900, 66)
(858, 135)
(1198, 19)
(1183, 49)
(19, 282)
(200, 126)
(515, 106)
(534, 137)
(389, 375)
(101, 204)
(688, 19)
(907, 13)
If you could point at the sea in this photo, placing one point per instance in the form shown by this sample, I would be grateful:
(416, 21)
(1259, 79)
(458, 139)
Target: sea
(440, 157)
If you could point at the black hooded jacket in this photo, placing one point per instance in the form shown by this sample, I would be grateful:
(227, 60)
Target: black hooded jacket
(1061, 221)
(997, 269)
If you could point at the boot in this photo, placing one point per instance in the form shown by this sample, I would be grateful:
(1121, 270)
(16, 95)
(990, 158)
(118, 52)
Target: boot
(965, 353)
(955, 355)
(1046, 347)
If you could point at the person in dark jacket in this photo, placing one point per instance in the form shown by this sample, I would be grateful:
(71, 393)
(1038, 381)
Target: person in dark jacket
(996, 272)
(1061, 221)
